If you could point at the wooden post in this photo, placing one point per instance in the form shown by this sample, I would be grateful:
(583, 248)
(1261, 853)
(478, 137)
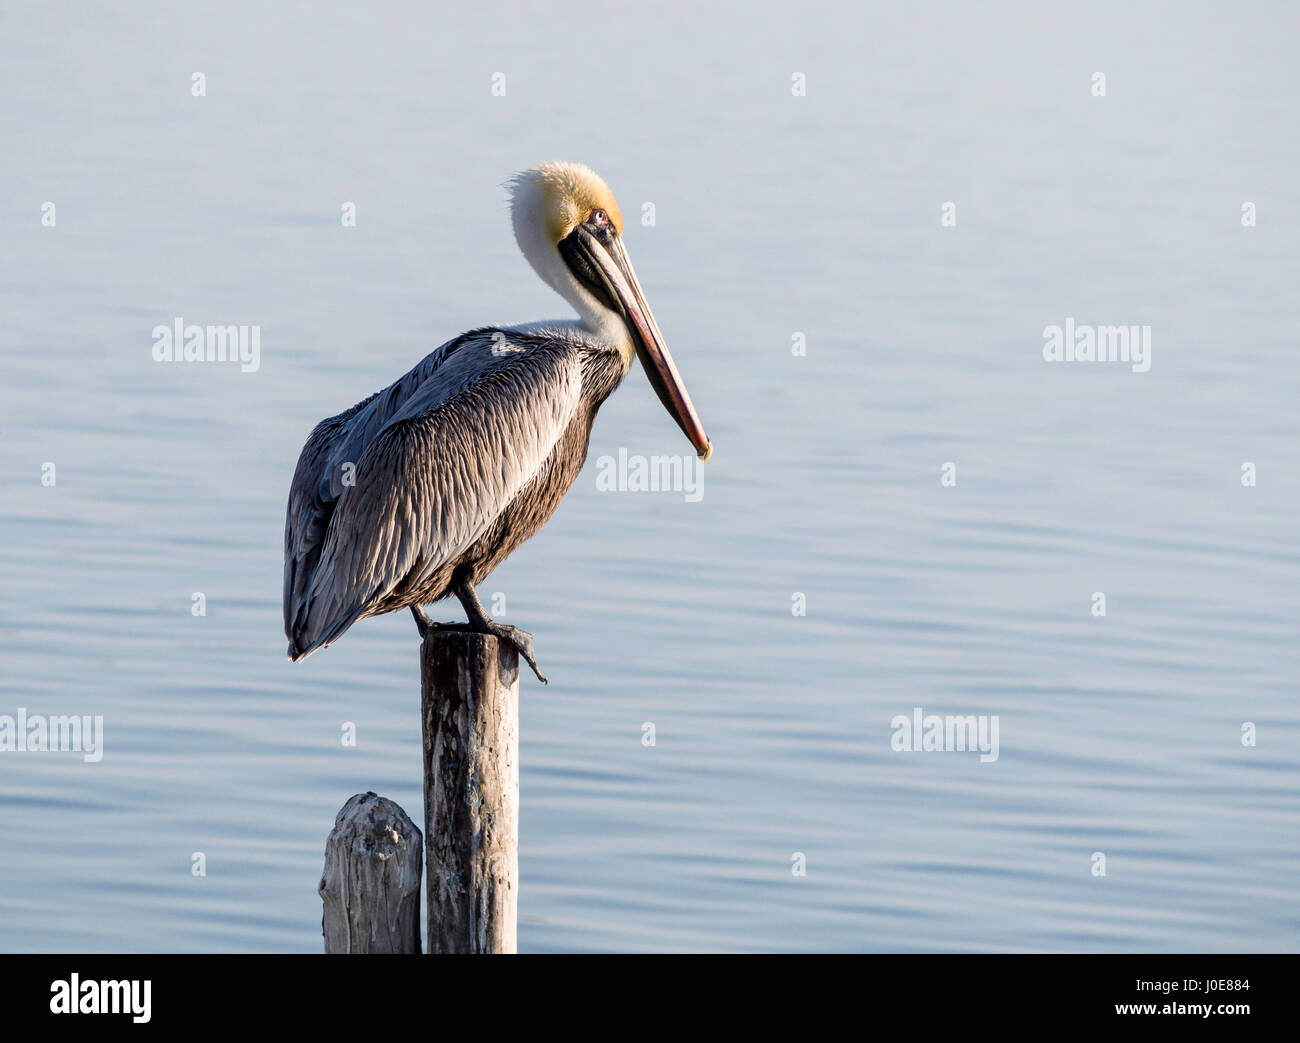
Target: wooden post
(470, 689)
(371, 883)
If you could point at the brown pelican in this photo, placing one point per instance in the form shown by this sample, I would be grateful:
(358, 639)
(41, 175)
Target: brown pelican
(422, 489)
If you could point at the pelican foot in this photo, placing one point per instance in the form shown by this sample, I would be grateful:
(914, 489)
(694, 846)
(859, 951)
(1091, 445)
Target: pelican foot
(521, 639)
(479, 620)
(424, 624)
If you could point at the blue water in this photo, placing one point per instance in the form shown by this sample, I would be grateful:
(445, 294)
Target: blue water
(774, 215)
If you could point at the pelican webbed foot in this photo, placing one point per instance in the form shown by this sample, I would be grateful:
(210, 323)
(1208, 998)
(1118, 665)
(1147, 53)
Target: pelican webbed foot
(481, 622)
(521, 639)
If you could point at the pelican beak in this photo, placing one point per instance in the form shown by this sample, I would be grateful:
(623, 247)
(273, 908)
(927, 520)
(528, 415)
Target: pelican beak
(602, 262)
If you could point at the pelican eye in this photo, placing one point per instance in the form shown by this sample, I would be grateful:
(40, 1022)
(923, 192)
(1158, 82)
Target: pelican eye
(598, 217)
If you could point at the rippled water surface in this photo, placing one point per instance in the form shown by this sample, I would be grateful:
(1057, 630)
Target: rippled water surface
(774, 215)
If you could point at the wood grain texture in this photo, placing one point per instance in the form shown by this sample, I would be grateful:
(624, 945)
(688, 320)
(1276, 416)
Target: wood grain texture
(371, 882)
(470, 711)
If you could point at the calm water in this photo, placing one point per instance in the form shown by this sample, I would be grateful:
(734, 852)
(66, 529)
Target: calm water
(775, 215)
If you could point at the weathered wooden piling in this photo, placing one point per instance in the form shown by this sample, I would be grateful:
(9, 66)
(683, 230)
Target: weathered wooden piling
(371, 883)
(470, 710)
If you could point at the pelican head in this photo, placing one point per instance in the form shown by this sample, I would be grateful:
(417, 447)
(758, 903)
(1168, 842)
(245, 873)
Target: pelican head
(569, 227)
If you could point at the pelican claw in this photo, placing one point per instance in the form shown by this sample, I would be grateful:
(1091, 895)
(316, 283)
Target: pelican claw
(521, 639)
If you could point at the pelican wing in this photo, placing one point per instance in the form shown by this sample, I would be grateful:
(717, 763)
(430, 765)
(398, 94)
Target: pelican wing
(435, 477)
(324, 469)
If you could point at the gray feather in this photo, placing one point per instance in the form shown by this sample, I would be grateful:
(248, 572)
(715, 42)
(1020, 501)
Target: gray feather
(440, 457)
